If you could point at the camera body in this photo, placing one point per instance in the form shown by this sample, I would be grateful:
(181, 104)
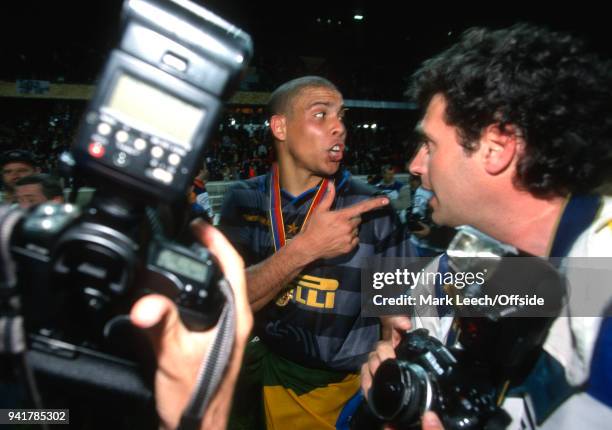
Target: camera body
(77, 270)
(140, 143)
(429, 376)
(464, 383)
(488, 350)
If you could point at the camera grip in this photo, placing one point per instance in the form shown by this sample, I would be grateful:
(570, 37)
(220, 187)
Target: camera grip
(199, 305)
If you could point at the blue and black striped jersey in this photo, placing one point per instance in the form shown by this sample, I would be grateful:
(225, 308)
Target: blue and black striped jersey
(318, 322)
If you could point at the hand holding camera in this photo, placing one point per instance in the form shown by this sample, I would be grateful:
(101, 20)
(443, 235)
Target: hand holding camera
(174, 344)
(489, 349)
(79, 271)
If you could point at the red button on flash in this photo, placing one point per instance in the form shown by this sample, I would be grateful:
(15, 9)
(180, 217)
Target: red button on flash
(96, 150)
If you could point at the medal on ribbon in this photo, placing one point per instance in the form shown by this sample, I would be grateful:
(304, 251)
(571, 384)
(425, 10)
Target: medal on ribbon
(277, 225)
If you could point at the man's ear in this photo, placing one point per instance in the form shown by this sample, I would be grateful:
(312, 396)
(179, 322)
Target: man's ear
(500, 147)
(278, 127)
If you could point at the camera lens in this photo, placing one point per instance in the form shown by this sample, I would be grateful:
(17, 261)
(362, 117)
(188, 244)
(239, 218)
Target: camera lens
(399, 392)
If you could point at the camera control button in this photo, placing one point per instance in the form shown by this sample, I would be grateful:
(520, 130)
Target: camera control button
(94, 297)
(91, 118)
(162, 175)
(96, 150)
(122, 136)
(140, 144)
(121, 159)
(157, 152)
(104, 129)
(174, 159)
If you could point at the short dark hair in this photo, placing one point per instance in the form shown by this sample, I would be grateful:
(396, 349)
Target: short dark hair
(386, 167)
(280, 100)
(51, 186)
(547, 84)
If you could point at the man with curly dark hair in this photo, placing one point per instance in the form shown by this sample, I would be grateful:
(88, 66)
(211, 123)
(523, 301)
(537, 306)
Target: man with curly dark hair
(516, 131)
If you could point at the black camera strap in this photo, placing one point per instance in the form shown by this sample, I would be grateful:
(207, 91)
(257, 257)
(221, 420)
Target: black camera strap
(214, 363)
(12, 331)
(9, 217)
(12, 335)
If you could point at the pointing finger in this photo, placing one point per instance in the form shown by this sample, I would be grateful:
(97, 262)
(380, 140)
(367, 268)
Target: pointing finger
(366, 206)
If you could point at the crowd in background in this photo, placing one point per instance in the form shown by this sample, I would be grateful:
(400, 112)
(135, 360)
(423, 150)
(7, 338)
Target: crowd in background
(241, 148)
(265, 73)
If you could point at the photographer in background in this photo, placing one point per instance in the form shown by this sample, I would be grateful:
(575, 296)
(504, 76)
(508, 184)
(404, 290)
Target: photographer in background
(180, 352)
(389, 185)
(516, 131)
(15, 164)
(199, 198)
(38, 188)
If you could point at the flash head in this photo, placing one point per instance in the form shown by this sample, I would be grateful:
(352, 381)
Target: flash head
(159, 98)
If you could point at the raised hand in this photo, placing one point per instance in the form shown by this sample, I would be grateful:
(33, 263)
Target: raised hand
(180, 352)
(394, 327)
(329, 233)
(384, 350)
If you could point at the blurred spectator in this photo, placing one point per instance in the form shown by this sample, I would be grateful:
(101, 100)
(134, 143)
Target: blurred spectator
(373, 179)
(15, 164)
(252, 172)
(38, 188)
(420, 202)
(428, 238)
(234, 173)
(388, 184)
(244, 140)
(199, 198)
(262, 151)
(226, 173)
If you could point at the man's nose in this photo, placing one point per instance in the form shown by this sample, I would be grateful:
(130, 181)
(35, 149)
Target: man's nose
(417, 165)
(338, 128)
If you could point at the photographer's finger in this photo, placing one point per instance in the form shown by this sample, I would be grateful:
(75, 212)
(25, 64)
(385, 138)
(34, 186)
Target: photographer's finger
(366, 379)
(431, 422)
(230, 261)
(384, 350)
(157, 316)
(214, 240)
(394, 327)
(149, 310)
(232, 266)
(374, 360)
